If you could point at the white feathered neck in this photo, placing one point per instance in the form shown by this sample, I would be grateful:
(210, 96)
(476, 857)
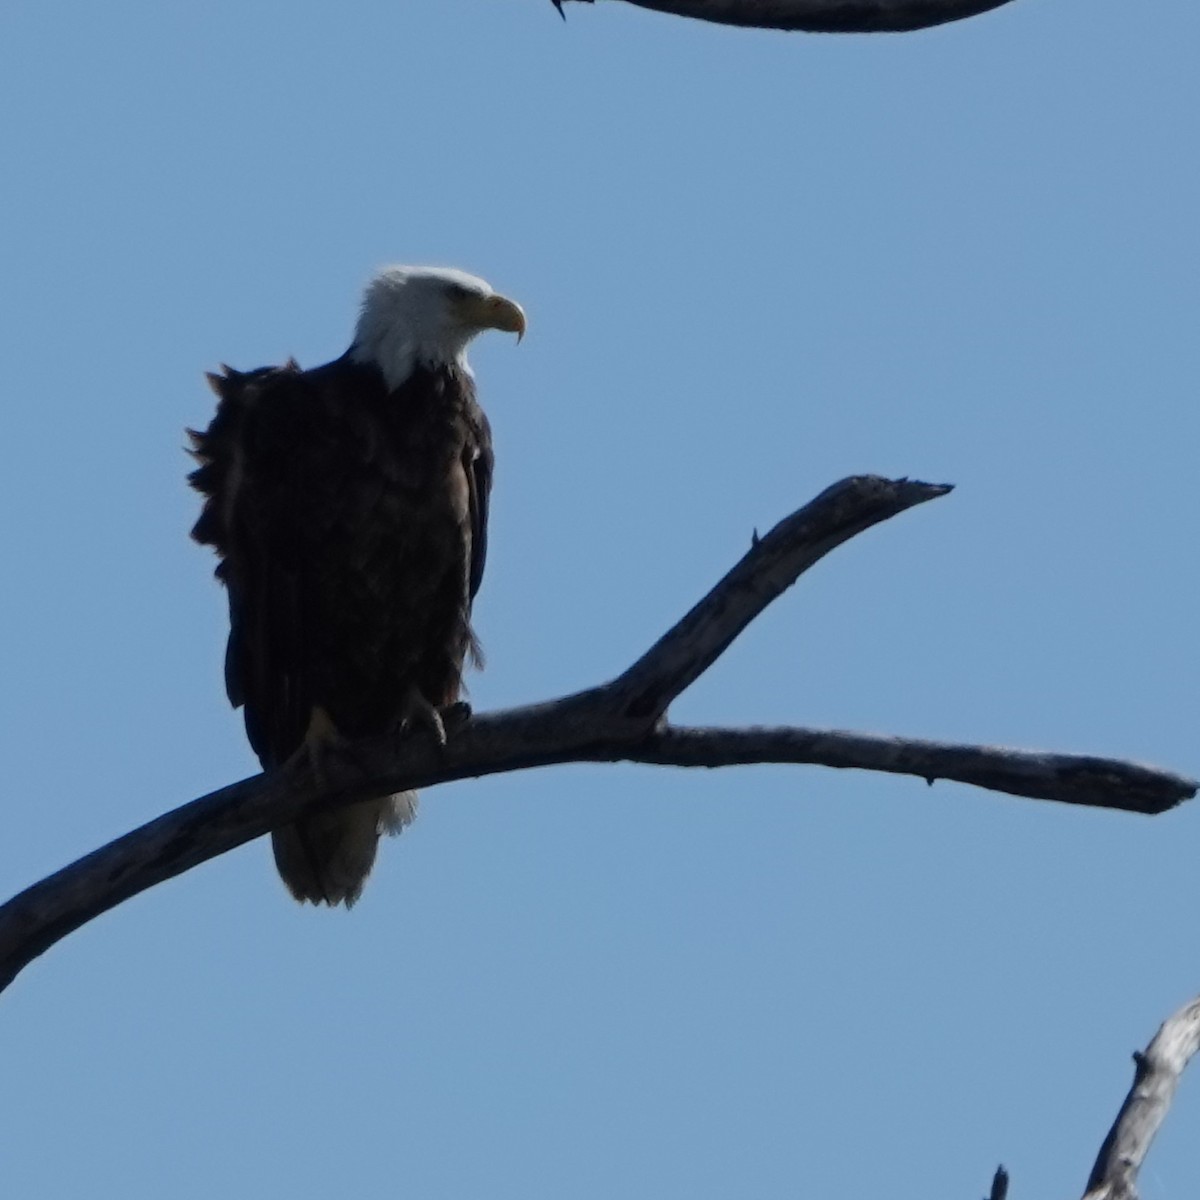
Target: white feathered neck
(409, 318)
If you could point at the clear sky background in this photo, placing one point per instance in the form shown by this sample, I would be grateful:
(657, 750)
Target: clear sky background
(753, 263)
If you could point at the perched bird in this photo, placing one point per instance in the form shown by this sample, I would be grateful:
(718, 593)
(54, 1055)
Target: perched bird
(348, 505)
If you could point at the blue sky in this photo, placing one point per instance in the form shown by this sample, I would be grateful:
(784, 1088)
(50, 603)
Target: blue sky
(753, 263)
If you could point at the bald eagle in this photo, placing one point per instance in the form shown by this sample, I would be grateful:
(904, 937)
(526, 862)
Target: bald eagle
(348, 505)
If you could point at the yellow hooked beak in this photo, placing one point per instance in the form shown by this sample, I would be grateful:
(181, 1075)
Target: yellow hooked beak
(497, 312)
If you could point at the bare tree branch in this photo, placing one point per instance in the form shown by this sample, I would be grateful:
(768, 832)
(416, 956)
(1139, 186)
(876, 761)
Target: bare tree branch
(773, 564)
(821, 16)
(1069, 778)
(1156, 1075)
(618, 721)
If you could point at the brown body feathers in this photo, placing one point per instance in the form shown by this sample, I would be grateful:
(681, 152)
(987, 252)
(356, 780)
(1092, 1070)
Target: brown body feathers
(351, 524)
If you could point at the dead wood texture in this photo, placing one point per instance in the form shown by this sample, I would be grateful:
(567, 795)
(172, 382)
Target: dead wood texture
(821, 16)
(1156, 1074)
(623, 720)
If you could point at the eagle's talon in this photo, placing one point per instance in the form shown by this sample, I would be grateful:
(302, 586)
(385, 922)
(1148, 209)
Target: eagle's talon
(456, 715)
(322, 744)
(419, 713)
(437, 727)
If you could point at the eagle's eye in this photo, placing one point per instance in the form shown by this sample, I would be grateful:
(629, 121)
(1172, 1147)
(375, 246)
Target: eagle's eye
(457, 291)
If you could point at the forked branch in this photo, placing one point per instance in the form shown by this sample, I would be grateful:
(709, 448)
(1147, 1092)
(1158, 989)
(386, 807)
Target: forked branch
(821, 16)
(623, 720)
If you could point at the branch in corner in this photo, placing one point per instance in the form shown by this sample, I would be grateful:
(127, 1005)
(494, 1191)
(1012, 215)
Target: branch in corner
(819, 16)
(1157, 1071)
(623, 720)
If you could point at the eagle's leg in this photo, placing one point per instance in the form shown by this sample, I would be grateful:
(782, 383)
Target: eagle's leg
(322, 741)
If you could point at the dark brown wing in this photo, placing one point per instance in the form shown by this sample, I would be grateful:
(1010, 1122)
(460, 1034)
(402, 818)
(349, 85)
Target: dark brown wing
(478, 461)
(256, 474)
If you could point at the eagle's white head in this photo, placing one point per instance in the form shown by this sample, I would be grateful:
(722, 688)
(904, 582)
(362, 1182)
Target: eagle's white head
(426, 316)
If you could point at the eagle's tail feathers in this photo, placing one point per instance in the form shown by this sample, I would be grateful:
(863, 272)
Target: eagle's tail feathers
(400, 813)
(326, 858)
